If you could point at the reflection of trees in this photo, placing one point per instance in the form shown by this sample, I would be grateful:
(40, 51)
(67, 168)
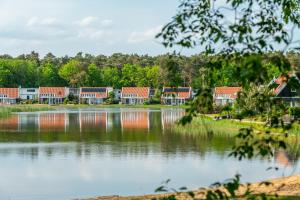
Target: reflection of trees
(116, 144)
(200, 144)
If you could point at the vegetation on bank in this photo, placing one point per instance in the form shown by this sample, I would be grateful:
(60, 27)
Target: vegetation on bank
(7, 110)
(206, 125)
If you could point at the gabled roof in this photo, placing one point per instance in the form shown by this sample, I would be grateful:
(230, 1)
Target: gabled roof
(231, 91)
(282, 82)
(182, 92)
(142, 92)
(12, 93)
(99, 92)
(57, 91)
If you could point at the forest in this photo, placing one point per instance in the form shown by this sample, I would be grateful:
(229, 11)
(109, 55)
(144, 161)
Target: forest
(118, 70)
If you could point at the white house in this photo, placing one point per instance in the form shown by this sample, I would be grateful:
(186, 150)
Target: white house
(226, 95)
(9, 95)
(29, 93)
(135, 95)
(53, 95)
(94, 95)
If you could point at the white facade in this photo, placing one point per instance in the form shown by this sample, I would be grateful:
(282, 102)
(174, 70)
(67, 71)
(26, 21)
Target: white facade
(91, 95)
(117, 93)
(29, 93)
(223, 99)
(4, 99)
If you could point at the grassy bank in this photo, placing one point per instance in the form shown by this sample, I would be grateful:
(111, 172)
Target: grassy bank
(204, 124)
(7, 110)
(154, 106)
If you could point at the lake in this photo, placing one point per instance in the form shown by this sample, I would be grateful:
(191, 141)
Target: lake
(79, 153)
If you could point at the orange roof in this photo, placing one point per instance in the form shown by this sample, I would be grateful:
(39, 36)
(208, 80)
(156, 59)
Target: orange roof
(142, 92)
(12, 93)
(231, 91)
(97, 94)
(178, 91)
(281, 79)
(57, 91)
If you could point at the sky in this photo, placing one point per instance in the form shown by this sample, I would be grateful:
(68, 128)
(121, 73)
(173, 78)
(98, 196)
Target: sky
(65, 27)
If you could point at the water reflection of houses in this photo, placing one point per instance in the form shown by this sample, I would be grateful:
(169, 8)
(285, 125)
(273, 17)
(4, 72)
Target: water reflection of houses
(93, 121)
(102, 121)
(170, 116)
(10, 124)
(77, 122)
(135, 119)
(286, 158)
(53, 121)
(57, 122)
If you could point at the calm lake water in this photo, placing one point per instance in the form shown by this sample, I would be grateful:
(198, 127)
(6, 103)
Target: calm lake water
(72, 154)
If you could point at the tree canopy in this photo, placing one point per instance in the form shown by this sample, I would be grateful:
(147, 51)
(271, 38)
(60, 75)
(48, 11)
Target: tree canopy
(120, 70)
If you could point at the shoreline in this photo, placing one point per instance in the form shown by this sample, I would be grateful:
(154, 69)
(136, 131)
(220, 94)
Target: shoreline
(57, 106)
(285, 187)
(7, 110)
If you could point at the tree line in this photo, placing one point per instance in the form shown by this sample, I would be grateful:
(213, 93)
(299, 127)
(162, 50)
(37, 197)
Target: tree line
(121, 70)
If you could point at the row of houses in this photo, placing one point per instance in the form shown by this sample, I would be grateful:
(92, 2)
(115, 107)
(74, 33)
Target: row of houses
(289, 93)
(95, 95)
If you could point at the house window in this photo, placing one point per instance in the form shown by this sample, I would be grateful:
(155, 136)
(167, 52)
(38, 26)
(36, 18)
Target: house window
(293, 90)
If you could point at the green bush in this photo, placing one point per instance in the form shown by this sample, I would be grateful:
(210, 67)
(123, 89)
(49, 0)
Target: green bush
(295, 111)
(154, 101)
(66, 101)
(146, 102)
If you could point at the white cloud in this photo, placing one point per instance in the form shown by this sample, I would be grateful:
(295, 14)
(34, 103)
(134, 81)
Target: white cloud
(66, 27)
(87, 21)
(36, 21)
(92, 28)
(91, 34)
(94, 21)
(137, 37)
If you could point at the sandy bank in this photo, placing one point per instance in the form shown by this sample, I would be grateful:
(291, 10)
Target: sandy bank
(286, 186)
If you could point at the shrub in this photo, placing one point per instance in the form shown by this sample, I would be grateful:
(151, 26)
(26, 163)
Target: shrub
(146, 102)
(66, 101)
(154, 101)
(295, 111)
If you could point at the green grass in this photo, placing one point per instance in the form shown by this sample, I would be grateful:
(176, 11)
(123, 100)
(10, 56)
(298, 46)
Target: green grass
(154, 106)
(204, 124)
(7, 110)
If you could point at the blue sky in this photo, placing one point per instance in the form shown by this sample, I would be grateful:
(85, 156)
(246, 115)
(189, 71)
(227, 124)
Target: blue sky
(65, 27)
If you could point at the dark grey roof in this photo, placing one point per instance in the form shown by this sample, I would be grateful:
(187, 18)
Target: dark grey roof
(180, 89)
(93, 90)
